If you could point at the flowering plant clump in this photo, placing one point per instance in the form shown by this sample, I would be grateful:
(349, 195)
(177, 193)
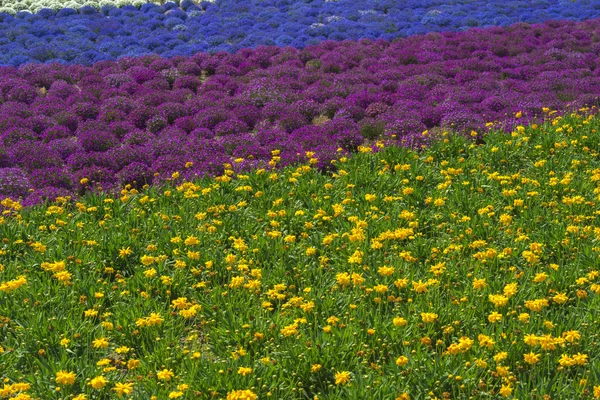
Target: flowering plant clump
(466, 269)
(88, 31)
(67, 130)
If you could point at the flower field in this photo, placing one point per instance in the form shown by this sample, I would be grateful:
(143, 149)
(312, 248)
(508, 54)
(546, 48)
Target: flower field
(122, 122)
(458, 271)
(85, 32)
(299, 200)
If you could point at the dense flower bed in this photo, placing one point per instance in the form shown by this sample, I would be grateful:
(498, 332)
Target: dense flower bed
(139, 118)
(87, 35)
(15, 6)
(458, 272)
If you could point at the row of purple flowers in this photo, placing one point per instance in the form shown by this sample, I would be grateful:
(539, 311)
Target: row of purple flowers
(137, 120)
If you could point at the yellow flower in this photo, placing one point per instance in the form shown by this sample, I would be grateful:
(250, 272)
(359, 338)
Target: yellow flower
(580, 359)
(357, 279)
(191, 241)
(498, 299)
(146, 260)
(401, 361)
(428, 317)
(386, 271)
(548, 325)
(486, 341)
(123, 388)
(510, 289)
(524, 317)
(100, 343)
(65, 378)
(122, 350)
(153, 319)
(597, 392)
(566, 361)
(560, 298)
(63, 276)
(149, 273)
(495, 317)
(505, 390)
(479, 283)
(439, 202)
(244, 371)
(419, 287)
(380, 288)
(571, 336)
(399, 321)
(342, 378)
(290, 330)
(133, 364)
(98, 382)
(124, 252)
(531, 358)
(536, 305)
(502, 371)
(90, 313)
(241, 395)
(165, 374)
(175, 394)
(289, 239)
(13, 284)
(315, 367)
(343, 279)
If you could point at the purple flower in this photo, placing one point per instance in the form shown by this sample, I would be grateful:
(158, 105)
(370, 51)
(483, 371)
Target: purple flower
(136, 174)
(56, 132)
(171, 111)
(232, 126)
(117, 80)
(58, 177)
(156, 124)
(61, 89)
(65, 146)
(94, 136)
(22, 93)
(138, 137)
(14, 183)
(32, 155)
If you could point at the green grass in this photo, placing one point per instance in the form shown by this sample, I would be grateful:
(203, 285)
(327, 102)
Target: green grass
(280, 252)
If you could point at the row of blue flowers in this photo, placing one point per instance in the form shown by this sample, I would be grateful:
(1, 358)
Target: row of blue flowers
(89, 34)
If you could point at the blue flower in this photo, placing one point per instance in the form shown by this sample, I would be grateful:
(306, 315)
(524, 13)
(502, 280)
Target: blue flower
(231, 24)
